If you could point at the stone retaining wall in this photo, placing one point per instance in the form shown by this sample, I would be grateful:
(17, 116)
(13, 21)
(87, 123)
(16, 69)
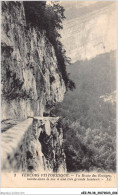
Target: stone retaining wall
(36, 144)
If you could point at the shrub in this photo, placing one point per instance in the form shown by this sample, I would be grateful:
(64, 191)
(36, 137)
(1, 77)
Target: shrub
(49, 18)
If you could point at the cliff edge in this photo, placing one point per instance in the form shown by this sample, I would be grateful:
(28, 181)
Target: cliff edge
(30, 79)
(31, 83)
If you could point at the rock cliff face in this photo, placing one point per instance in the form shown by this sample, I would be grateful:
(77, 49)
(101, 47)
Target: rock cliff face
(91, 32)
(31, 81)
(31, 85)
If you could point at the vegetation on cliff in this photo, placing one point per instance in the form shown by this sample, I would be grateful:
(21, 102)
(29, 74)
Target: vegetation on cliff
(88, 120)
(49, 18)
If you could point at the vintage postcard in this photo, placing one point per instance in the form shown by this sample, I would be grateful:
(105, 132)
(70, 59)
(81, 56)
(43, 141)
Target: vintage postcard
(58, 94)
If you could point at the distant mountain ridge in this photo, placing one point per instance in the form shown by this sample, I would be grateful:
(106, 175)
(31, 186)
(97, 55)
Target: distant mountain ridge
(79, 9)
(90, 34)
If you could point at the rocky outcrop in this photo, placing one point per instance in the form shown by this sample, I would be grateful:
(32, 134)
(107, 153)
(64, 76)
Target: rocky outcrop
(36, 144)
(91, 32)
(31, 84)
(30, 78)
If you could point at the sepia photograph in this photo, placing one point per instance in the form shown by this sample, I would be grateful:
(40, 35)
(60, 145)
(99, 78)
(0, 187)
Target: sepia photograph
(58, 94)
